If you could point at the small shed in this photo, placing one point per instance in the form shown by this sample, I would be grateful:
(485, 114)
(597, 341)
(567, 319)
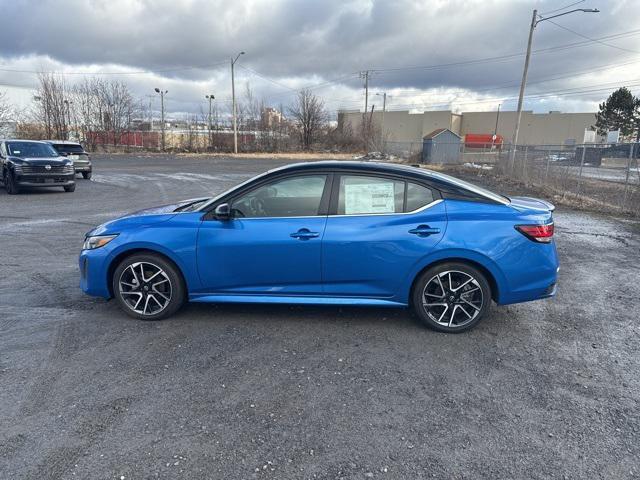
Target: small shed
(441, 146)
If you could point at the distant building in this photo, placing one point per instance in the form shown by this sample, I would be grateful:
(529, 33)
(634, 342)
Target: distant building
(441, 146)
(271, 117)
(553, 128)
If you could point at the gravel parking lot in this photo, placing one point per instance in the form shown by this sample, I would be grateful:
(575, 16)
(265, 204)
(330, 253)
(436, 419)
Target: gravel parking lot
(541, 390)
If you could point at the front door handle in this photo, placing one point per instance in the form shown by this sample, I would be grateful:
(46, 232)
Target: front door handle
(424, 230)
(304, 234)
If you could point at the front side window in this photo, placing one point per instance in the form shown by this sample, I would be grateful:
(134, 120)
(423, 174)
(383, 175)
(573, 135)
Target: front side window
(298, 196)
(363, 195)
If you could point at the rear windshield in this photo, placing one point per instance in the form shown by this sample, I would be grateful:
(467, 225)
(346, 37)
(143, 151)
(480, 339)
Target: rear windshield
(31, 150)
(68, 148)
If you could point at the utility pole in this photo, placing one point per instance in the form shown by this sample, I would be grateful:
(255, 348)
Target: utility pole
(210, 97)
(384, 109)
(162, 125)
(365, 75)
(495, 130)
(534, 22)
(233, 97)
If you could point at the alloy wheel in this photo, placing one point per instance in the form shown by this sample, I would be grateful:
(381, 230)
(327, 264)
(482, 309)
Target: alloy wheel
(452, 298)
(145, 288)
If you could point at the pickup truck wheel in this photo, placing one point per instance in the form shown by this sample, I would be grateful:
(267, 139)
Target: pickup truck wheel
(86, 175)
(10, 184)
(70, 188)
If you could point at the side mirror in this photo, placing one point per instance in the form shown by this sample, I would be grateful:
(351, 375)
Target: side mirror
(223, 211)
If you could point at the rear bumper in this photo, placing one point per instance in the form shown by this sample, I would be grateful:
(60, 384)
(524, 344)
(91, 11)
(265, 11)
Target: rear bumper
(82, 168)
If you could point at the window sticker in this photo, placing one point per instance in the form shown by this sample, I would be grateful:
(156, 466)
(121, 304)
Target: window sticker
(369, 198)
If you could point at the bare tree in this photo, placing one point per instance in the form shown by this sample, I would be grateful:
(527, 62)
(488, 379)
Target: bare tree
(309, 115)
(51, 105)
(5, 114)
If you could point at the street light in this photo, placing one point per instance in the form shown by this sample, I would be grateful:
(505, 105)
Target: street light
(162, 94)
(68, 129)
(210, 97)
(233, 97)
(534, 22)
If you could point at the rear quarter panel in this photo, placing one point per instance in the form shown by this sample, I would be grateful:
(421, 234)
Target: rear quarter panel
(486, 234)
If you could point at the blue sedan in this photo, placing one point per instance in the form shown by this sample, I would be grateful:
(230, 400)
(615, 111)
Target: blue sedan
(331, 233)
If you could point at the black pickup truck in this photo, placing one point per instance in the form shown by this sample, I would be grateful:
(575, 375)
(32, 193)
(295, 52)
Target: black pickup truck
(27, 163)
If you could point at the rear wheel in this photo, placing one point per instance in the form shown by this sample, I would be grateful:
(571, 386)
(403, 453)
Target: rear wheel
(10, 183)
(148, 287)
(451, 297)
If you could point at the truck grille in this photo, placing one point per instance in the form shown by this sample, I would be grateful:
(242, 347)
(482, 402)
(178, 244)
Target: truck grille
(31, 169)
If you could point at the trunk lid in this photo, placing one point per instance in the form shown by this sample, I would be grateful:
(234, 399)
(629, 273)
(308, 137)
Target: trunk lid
(528, 203)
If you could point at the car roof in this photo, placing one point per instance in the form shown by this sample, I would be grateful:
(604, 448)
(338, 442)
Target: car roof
(62, 142)
(21, 140)
(406, 171)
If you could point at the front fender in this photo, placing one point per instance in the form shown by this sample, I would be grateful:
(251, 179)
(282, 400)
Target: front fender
(182, 262)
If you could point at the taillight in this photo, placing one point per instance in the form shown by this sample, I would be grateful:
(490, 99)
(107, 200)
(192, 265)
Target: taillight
(537, 233)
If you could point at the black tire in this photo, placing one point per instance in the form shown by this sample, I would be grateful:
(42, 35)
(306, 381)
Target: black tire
(474, 297)
(10, 184)
(70, 188)
(86, 175)
(176, 283)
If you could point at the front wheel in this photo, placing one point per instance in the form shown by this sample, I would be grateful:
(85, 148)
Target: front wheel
(70, 188)
(451, 297)
(86, 175)
(148, 287)
(10, 184)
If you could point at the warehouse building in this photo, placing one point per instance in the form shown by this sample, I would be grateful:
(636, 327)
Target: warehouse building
(553, 128)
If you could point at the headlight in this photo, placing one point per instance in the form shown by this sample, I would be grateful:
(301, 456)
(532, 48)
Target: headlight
(91, 243)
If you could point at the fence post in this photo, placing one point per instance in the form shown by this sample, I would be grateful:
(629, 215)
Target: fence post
(546, 170)
(626, 180)
(584, 151)
(524, 164)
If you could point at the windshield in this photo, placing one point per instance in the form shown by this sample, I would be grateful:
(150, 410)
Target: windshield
(31, 150)
(68, 148)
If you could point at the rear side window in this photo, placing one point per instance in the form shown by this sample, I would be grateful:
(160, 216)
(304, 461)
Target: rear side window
(291, 197)
(361, 195)
(417, 196)
(68, 148)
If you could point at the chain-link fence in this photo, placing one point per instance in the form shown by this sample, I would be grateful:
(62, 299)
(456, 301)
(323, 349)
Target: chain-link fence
(604, 174)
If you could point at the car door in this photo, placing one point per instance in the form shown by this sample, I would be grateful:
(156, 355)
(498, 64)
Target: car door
(271, 245)
(378, 229)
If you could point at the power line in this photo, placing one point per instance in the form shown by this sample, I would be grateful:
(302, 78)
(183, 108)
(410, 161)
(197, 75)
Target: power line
(563, 8)
(167, 70)
(593, 39)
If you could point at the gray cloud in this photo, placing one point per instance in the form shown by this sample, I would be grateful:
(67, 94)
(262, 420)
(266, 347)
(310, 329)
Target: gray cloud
(302, 42)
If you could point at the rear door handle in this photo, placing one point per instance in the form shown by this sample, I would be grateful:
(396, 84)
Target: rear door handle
(304, 234)
(424, 231)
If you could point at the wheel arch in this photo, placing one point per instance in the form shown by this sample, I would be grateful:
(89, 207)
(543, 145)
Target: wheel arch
(490, 275)
(142, 250)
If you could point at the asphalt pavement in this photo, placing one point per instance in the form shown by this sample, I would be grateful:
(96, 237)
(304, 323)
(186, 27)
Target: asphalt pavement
(548, 389)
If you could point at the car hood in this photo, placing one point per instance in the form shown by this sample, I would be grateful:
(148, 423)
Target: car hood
(143, 218)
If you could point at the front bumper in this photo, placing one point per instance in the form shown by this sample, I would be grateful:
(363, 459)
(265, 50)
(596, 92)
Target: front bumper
(40, 180)
(93, 272)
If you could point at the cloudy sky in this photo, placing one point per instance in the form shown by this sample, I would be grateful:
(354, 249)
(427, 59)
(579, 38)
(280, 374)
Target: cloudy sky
(426, 54)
